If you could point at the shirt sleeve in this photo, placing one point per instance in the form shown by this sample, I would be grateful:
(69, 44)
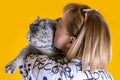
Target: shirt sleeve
(42, 67)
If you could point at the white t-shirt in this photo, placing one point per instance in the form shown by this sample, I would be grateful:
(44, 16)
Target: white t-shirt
(42, 67)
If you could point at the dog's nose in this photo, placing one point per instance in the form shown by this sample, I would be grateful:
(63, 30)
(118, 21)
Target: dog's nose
(33, 28)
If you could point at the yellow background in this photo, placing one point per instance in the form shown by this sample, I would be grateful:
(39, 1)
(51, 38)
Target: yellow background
(16, 15)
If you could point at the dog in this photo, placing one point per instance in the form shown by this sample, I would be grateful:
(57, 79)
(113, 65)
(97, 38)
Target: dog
(40, 37)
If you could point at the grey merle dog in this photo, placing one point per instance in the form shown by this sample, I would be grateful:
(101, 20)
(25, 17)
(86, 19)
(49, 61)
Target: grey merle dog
(40, 37)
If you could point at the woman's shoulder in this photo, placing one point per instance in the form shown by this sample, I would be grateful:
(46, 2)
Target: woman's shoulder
(74, 68)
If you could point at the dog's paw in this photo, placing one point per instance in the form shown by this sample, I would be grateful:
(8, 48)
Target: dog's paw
(10, 68)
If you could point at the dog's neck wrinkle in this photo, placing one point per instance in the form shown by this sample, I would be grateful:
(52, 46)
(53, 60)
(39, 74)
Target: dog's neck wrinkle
(47, 50)
(51, 50)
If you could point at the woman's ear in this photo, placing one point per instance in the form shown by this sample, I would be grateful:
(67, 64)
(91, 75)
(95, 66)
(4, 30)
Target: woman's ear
(71, 41)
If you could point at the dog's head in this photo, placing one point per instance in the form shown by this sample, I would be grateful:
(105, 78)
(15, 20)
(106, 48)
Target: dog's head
(41, 33)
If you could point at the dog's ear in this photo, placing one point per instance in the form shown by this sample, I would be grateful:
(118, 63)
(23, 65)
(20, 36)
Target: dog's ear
(36, 21)
(58, 19)
(38, 17)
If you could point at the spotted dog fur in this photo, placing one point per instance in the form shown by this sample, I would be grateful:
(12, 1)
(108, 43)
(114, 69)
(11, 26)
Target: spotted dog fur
(40, 37)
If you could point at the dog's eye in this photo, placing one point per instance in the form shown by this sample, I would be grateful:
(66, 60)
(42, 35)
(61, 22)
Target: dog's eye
(45, 26)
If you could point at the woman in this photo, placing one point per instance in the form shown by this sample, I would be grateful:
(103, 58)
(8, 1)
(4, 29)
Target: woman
(84, 37)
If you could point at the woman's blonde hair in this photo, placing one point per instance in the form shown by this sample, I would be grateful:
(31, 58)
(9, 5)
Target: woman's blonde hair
(93, 40)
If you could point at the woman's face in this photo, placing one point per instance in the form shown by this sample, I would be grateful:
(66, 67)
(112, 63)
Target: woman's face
(62, 39)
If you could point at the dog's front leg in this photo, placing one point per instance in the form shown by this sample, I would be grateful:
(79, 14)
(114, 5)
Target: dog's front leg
(14, 64)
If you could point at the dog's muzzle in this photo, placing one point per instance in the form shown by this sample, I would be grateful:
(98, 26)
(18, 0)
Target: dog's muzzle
(33, 28)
